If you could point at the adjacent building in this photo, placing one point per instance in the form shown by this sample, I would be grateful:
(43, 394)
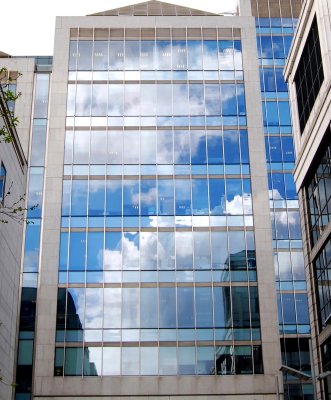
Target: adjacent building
(13, 168)
(165, 256)
(308, 73)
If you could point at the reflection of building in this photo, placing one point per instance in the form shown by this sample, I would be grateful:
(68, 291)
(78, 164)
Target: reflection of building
(156, 179)
(12, 187)
(309, 77)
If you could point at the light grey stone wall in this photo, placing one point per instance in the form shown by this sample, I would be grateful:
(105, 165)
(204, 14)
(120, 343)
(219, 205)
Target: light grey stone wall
(23, 105)
(11, 234)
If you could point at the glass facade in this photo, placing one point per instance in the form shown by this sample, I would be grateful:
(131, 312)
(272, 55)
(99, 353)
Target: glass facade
(274, 36)
(36, 169)
(318, 191)
(309, 76)
(157, 272)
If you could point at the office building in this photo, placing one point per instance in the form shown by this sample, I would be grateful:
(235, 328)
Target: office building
(13, 168)
(161, 142)
(308, 73)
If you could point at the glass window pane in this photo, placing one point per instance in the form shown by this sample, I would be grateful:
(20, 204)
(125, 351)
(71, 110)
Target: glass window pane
(73, 361)
(100, 55)
(130, 310)
(185, 307)
(149, 360)
(166, 250)
(166, 197)
(167, 307)
(184, 250)
(111, 361)
(186, 360)
(204, 307)
(112, 308)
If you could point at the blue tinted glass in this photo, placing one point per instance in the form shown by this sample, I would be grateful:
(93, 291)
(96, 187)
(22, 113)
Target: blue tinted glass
(66, 197)
(35, 192)
(244, 147)
(212, 99)
(95, 250)
(278, 186)
(79, 197)
(114, 197)
(112, 253)
(284, 113)
(163, 54)
(96, 197)
(301, 303)
(77, 250)
(63, 251)
(31, 248)
(217, 196)
(288, 308)
(166, 197)
(288, 150)
(183, 196)
(210, 55)
(271, 117)
(278, 46)
(229, 99)
(291, 192)
(231, 147)
(179, 55)
(130, 197)
(196, 99)
(275, 150)
(266, 47)
(280, 82)
(198, 147)
(215, 147)
(269, 80)
(200, 196)
(181, 147)
(148, 197)
(287, 44)
(194, 48)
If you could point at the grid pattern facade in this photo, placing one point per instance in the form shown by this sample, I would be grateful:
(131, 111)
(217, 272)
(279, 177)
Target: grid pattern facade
(274, 37)
(318, 188)
(156, 183)
(309, 75)
(26, 335)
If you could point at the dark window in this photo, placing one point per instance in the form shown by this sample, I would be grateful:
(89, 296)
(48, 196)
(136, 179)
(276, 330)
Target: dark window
(318, 187)
(3, 174)
(322, 268)
(309, 75)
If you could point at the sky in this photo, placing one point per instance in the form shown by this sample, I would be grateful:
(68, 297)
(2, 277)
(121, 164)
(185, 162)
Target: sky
(27, 27)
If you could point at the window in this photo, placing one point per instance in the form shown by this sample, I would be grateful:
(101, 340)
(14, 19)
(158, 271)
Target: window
(309, 75)
(3, 174)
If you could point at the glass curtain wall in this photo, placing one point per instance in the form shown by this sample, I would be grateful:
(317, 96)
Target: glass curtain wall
(274, 36)
(157, 272)
(32, 237)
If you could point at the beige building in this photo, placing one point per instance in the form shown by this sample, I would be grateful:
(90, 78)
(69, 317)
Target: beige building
(13, 169)
(308, 72)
